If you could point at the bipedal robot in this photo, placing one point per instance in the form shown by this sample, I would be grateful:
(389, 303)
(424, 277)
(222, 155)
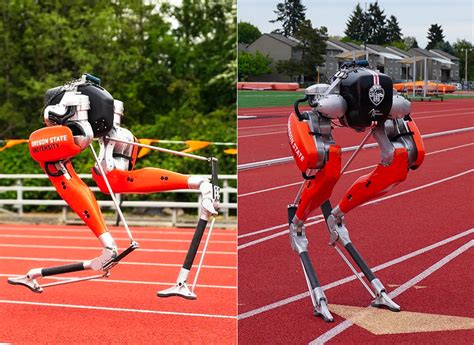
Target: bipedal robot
(75, 114)
(360, 99)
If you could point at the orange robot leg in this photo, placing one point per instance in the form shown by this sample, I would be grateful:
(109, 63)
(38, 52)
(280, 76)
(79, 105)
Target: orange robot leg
(377, 183)
(146, 180)
(319, 189)
(420, 147)
(78, 196)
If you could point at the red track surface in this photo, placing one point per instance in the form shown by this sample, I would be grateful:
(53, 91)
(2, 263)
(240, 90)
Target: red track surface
(122, 308)
(432, 205)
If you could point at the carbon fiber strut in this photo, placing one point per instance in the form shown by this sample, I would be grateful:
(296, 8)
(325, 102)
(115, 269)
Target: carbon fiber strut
(381, 299)
(316, 293)
(193, 247)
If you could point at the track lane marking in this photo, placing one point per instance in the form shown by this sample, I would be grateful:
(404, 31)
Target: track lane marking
(350, 278)
(268, 163)
(259, 134)
(146, 250)
(27, 227)
(263, 239)
(414, 117)
(90, 238)
(121, 263)
(346, 172)
(269, 111)
(323, 338)
(121, 281)
(91, 307)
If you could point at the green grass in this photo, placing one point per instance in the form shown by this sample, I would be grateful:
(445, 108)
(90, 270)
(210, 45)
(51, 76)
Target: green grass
(259, 99)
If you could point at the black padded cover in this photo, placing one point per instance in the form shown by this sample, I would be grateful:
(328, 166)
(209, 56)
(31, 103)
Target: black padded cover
(101, 114)
(364, 99)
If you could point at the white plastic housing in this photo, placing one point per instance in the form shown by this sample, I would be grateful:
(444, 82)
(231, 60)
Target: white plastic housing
(400, 107)
(332, 106)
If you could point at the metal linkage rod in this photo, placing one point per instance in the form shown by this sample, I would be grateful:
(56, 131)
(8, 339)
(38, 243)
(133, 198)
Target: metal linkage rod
(112, 195)
(356, 152)
(203, 253)
(354, 271)
(161, 149)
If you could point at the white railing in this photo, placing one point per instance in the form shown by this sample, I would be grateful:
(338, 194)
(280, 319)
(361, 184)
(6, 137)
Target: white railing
(19, 201)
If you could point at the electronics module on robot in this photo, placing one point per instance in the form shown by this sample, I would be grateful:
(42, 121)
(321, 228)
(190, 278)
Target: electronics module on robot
(75, 114)
(361, 99)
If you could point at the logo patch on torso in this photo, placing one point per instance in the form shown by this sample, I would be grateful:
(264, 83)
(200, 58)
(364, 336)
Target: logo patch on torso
(376, 94)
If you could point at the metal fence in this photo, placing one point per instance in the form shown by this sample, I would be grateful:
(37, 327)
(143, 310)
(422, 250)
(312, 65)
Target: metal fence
(19, 187)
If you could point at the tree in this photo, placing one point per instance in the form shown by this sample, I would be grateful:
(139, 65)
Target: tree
(312, 46)
(248, 33)
(291, 14)
(174, 67)
(410, 42)
(444, 46)
(375, 21)
(435, 36)
(459, 48)
(394, 33)
(253, 65)
(355, 25)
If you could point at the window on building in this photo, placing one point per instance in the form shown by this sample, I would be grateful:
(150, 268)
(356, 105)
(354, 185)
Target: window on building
(331, 65)
(451, 73)
(434, 72)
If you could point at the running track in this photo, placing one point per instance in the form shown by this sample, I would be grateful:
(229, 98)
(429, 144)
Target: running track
(122, 308)
(418, 238)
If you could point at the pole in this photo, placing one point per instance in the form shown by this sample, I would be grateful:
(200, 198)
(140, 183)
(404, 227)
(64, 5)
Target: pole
(465, 72)
(425, 85)
(414, 74)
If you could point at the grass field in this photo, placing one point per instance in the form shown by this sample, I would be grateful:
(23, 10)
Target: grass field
(260, 99)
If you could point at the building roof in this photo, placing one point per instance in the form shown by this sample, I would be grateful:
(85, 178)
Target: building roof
(421, 52)
(398, 51)
(242, 47)
(382, 51)
(444, 54)
(354, 45)
(344, 46)
(292, 42)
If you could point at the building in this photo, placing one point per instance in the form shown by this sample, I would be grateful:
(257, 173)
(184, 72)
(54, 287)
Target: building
(392, 61)
(277, 47)
(449, 72)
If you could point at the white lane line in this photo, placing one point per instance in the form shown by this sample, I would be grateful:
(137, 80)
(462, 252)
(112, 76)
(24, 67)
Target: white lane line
(323, 338)
(92, 307)
(346, 172)
(263, 126)
(44, 246)
(413, 116)
(289, 109)
(288, 159)
(352, 277)
(120, 281)
(269, 237)
(297, 183)
(32, 227)
(263, 239)
(91, 238)
(121, 262)
(260, 134)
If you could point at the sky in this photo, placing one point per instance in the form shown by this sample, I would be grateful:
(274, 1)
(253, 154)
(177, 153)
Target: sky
(414, 17)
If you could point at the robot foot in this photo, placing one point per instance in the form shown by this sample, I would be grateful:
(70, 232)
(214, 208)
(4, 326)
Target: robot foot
(26, 281)
(180, 289)
(323, 311)
(384, 301)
